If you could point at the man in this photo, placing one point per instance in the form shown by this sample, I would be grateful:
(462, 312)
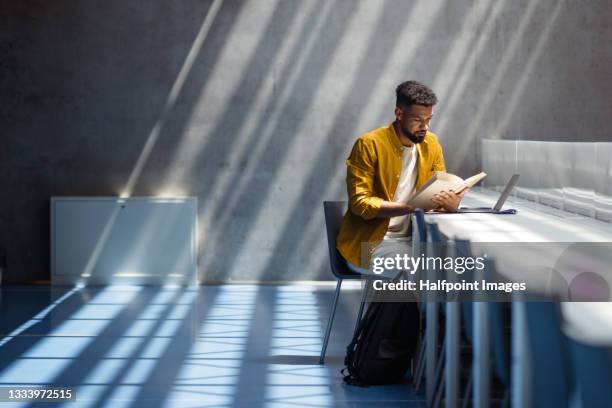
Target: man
(384, 168)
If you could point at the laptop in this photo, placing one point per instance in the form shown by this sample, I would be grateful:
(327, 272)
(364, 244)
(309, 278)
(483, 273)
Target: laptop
(500, 202)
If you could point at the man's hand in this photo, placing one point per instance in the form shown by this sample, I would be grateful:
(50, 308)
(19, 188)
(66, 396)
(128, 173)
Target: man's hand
(448, 200)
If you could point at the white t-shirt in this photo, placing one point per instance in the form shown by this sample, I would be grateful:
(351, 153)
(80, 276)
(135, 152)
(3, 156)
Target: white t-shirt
(399, 226)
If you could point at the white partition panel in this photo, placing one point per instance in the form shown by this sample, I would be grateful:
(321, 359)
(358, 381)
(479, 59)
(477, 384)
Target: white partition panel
(579, 194)
(603, 181)
(556, 172)
(489, 162)
(498, 161)
(572, 176)
(104, 240)
(530, 166)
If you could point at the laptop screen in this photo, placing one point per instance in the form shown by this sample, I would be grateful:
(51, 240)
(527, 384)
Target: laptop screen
(504, 195)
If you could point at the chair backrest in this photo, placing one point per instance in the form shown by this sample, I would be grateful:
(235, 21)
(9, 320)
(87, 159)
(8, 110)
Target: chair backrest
(433, 233)
(435, 248)
(419, 230)
(334, 211)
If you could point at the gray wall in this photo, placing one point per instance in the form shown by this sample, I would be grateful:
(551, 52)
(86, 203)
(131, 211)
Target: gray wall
(252, 106)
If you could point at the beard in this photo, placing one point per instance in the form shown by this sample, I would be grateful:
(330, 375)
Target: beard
(416, 137)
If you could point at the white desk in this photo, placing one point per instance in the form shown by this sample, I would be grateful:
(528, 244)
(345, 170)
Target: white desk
(534, 223)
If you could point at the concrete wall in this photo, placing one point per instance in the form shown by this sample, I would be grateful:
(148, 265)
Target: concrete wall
(252, 106)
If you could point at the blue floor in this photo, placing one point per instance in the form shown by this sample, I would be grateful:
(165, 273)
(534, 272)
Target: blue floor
(211, 346)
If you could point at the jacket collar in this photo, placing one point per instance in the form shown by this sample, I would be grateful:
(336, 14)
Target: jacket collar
(394, 139)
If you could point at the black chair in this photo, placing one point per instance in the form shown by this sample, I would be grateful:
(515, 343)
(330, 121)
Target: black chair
(334, 211)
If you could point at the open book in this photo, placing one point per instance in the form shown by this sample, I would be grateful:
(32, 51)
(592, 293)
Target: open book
(441, 181)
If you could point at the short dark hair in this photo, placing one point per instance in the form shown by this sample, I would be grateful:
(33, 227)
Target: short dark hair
(414, 93)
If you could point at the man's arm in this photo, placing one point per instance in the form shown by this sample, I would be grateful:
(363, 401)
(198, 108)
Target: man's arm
(390, 209)
(360, 174)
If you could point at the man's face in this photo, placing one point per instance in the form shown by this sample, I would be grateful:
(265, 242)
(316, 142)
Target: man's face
(414, 121)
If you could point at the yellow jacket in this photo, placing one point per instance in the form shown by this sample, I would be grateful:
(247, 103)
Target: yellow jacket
(372, 173)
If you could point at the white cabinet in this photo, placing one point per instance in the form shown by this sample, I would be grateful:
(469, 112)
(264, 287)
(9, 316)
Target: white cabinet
(139, 240)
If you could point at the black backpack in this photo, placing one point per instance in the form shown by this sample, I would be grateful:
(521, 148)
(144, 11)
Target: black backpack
(382, 347)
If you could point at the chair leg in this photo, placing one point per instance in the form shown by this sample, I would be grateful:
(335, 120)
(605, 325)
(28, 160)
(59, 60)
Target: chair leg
(330, 322)
(467, 395)
(439, 378)
(364, 296)
(439, 393)
(420, 365)
(441, 362)
(506, 400)
(419, 361)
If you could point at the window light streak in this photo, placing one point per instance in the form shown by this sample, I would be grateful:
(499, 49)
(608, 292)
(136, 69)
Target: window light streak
(114, 361)
(74, 325)
(158, 342)
(311, 233)
(175, 91)
(159, 224)
(136, 275)
(375, 116)
(464, 72)
(38, 317)
(474, 31)
(354, 69)
(27, 369)
(296, 149)
(519, 87)
(174, 196)
(256, 152)
(385, 68)
(193, 141)
(328, 81)
(189, 253)
(211, 370)
(382, 102)
(95, 254)
(123, 396)
(79, 328)
(510, 55)
(57, 347)
(156, 226)
(297, 331)
(97, 312)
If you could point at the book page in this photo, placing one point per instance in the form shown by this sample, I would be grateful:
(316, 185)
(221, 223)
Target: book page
(441, 182)
(471, 181)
